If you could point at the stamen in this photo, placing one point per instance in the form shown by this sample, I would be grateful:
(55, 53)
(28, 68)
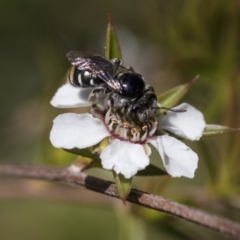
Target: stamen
(134, 138)
(147, 149)
(133, 130)
(153, 130)
(114, 120)
(138, 136)
(143, 138)
(129, 131)
(110, 126)
(107, 116)
(117, 129)
(124, 133)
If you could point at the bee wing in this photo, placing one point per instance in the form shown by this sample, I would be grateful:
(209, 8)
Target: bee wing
(90, 61)
(100, 66)
(109, 80)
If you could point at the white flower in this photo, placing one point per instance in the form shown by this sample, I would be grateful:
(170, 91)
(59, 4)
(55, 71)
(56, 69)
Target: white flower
(124, 154)
(68, 96)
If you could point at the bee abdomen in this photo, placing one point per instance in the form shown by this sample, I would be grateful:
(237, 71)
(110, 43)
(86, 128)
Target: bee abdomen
(82, 79)
(74, 77)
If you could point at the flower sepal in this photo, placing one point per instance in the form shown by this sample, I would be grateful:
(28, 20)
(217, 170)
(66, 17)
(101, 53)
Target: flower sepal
(171, 97)
(112, 49)
(86, 152)
(213, 129)
(90, 155)
(123, 185)
(86, 159)
(151, 170)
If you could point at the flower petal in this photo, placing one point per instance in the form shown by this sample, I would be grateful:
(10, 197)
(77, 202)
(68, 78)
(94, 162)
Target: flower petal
(68, 96)
(72, 130)
(124, 157)
(189, 124)
(178, 159)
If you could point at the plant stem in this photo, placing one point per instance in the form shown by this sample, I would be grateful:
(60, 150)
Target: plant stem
(63, 175)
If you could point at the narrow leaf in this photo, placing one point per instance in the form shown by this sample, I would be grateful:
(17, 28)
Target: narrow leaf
(112, 49)
(212, 130)
(123, 186)
(174, 95)
(151, 170)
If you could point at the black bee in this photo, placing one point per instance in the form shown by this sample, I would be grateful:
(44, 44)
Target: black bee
(127, 89)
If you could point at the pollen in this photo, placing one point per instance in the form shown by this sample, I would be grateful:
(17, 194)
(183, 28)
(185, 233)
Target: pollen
(124, 130)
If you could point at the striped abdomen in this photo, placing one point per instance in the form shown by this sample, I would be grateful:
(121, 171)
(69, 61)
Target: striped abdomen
(82, 79)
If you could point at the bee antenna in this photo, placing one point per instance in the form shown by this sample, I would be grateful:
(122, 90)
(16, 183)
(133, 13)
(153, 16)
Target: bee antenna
(170, 109)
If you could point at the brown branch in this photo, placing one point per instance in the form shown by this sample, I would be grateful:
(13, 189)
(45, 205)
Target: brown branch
(158, 203)
(31, 189)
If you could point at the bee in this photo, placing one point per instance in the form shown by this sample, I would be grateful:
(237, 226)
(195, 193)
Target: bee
(128, 92)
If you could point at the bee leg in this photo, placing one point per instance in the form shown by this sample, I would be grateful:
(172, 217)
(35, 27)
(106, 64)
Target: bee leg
(117, 62)
(129, 112)
(96, 93)
(117, 102)
(149, 88)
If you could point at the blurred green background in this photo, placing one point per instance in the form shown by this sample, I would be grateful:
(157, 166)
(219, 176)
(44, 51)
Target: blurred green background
(168, 42)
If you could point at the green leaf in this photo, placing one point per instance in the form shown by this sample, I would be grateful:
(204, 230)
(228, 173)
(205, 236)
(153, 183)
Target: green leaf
(151, 170)
(212, 130)
(173, 96)
(112, 49)
(123, 185)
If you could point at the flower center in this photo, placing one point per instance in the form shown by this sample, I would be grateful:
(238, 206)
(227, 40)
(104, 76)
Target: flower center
(120, 128)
